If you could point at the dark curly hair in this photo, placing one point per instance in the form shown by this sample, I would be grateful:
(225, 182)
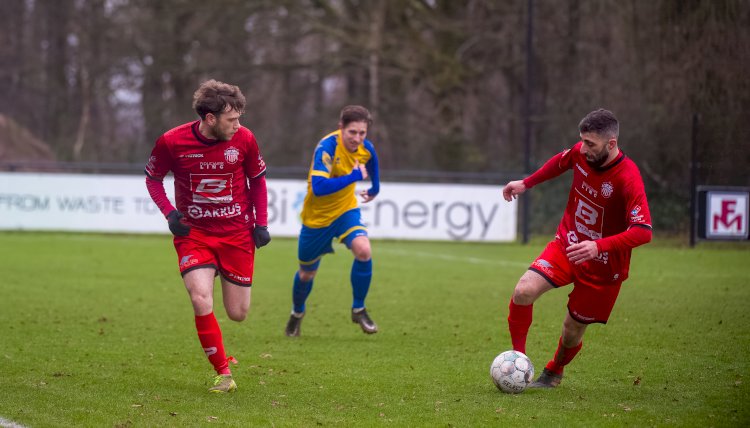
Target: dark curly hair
(217, 97)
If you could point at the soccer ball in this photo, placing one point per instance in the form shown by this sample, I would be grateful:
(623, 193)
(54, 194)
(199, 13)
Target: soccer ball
(512, 371)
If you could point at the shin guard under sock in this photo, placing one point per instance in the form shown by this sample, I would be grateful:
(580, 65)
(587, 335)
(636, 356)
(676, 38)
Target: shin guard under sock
(209, 335)
(361, 277)
(563, 356)
(519, 321)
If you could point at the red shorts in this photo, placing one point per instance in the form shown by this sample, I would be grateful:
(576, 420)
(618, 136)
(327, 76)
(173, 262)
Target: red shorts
(232, 255)
(589, 302)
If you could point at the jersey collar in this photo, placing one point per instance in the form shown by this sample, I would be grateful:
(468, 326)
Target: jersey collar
(198, 136)
(614, 163)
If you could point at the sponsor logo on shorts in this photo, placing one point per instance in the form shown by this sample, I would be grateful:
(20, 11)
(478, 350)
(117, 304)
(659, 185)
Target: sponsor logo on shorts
(544, 266)
(187, 261)
(240, 278)
(582, 317)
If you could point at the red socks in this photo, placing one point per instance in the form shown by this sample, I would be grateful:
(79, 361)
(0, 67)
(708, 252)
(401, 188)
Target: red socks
(519, 321)
(209, 334)
(563, 356)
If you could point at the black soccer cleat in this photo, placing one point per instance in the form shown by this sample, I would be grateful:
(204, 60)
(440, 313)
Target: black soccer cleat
(547, 379)
(364, 321)
(294, 324)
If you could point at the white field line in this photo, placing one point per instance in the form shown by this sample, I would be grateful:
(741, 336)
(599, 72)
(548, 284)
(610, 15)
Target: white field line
(473, 260)
(9, 424)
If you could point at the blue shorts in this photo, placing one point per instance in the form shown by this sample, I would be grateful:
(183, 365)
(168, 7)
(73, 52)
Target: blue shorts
(316, 242)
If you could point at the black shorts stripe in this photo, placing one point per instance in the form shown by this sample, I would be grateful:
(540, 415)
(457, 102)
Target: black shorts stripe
(241, 284)
(584, 321)
(191, 268)
(545, 277)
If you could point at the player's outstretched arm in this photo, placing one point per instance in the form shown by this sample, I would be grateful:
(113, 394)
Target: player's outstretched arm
(513, 189)
(322, 186)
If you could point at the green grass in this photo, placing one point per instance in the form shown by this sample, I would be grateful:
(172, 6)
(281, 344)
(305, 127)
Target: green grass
(98, 331)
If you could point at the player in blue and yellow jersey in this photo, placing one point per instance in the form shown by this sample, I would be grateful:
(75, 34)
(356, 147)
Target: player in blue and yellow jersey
(330, 211)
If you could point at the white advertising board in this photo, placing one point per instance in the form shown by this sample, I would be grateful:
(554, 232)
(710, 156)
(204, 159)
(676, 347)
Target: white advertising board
(112, 203)
(727, 214)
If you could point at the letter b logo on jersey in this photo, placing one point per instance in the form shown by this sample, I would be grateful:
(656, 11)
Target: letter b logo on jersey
(211, 188)
(586, 213)
(588, 218)
(210, 185)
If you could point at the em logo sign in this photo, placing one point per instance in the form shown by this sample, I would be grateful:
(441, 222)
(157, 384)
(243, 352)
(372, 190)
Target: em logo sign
(727, 214)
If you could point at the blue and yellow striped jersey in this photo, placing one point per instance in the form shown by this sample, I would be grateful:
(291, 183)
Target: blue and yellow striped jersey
(332, 160)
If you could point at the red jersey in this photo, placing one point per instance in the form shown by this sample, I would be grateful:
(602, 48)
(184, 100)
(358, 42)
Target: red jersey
(603, 202)
(210, 177)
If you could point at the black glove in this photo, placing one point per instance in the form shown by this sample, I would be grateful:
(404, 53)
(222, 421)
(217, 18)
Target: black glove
(176, 226)
(261, 236)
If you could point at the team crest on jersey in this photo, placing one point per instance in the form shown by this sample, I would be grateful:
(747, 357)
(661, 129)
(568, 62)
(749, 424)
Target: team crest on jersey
(232, 155)
(607, 189)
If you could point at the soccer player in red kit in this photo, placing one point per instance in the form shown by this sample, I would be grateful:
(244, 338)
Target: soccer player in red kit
(607, 215)
(222, 210)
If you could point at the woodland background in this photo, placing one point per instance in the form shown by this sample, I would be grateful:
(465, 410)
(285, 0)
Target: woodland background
(97, 81)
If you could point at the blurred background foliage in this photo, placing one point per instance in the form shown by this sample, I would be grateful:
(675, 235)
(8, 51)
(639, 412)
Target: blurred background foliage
(100, 80)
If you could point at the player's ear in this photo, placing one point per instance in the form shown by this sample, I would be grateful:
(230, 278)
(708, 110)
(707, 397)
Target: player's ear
(341, 125)
(611, 143)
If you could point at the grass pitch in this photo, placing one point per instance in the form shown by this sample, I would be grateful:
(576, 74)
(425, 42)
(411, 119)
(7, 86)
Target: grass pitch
(98, 331)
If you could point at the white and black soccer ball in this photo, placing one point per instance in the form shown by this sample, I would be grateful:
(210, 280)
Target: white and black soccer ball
(512, 372)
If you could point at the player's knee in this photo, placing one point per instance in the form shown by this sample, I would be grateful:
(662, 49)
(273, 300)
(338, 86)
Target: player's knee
(201, 302)
(362, 251)
(363, 255)
(524, 293)
(361, 248)
(237, 315)
(307, 275)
